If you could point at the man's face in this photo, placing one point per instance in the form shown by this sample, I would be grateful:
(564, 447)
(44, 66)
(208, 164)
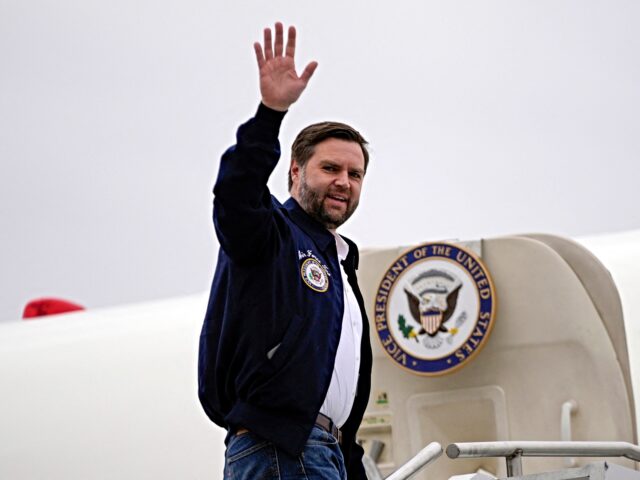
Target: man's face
(328, 186)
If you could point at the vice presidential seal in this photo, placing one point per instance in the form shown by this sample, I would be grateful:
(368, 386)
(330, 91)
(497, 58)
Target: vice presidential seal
(314, 275)
(434, 308)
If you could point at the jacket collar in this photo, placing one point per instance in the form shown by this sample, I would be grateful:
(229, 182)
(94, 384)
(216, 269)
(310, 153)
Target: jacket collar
(320, 235)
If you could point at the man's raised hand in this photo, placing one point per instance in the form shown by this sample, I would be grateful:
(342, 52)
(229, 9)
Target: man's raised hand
(280, 85)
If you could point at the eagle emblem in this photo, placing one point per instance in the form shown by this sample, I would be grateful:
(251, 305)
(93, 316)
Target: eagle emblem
(432, 298)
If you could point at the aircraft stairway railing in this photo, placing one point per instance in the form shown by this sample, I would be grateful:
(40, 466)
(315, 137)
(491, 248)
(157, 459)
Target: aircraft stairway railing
(513, 451)
(423, 458)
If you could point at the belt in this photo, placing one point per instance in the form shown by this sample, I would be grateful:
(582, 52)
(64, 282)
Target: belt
(328, 426)
(322, 421)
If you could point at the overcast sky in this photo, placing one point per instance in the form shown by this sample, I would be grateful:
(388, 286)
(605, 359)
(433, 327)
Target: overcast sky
(484, 118)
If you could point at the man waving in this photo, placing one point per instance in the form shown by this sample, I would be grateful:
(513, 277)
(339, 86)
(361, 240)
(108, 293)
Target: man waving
(285, 359)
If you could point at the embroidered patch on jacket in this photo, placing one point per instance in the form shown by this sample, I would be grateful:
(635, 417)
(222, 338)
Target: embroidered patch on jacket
(314, 276)
(435, 308)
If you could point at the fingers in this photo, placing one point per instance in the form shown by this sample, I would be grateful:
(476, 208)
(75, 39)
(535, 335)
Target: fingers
(308, 71)
(291, 42)
(276, 49)
(279, 40)
(268, 49)
(259, 54)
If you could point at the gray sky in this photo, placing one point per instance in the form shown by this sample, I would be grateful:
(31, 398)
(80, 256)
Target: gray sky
(484, 118)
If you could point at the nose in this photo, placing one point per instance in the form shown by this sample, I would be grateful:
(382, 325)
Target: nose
(342, 179)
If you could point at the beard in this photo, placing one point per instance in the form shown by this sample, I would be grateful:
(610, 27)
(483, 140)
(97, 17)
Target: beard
(312, 202)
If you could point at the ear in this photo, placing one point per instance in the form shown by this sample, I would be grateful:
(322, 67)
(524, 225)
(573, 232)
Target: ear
(295, 171)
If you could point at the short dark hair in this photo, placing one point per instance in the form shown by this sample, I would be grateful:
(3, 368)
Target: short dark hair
(303, 146)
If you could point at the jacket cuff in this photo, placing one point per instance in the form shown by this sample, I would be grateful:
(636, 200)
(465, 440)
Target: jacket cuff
(269, 116)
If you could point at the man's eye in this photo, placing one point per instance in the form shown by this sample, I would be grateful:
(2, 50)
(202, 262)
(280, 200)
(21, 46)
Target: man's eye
(356, 175)
(329, 169)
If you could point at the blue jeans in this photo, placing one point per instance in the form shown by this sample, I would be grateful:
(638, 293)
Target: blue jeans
(249, 457)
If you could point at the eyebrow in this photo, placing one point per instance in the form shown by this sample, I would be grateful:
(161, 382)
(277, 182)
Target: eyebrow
(331, 163)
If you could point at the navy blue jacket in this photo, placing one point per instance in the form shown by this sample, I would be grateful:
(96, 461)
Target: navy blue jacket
(269, 340)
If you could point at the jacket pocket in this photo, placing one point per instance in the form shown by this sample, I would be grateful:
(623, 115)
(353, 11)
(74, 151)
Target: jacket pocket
(277, 355)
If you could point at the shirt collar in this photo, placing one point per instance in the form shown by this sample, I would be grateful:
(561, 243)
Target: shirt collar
(342, 246)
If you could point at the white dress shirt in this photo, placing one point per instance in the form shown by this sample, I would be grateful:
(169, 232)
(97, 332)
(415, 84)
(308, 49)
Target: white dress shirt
(342, 390)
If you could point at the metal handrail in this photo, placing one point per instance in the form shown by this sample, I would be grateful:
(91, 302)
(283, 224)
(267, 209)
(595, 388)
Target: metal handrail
(544, 449)
(371, 469)
(423, 458)
(514, 451)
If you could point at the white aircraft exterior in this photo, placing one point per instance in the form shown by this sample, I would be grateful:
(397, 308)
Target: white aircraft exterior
(112, 393)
